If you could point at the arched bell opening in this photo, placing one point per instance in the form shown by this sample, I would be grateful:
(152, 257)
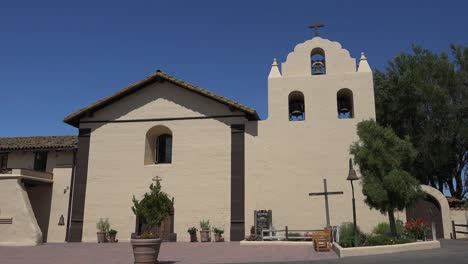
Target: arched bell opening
(296, 106)
(317, 62)
(345, 104)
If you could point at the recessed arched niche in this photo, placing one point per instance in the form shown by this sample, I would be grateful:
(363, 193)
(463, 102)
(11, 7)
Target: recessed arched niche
(296, 107)
(158, 145)
(317, 62)
(345, 104)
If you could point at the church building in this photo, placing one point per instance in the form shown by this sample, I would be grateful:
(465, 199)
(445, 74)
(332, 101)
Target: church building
(216, 157)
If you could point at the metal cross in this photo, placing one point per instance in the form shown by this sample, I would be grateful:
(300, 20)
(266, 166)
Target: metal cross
(325, 193)
(316, 27)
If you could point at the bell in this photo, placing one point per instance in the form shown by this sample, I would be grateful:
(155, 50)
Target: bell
(352, 176)
(296, 109)
(343, 105)
(61, 221)
(317, 68)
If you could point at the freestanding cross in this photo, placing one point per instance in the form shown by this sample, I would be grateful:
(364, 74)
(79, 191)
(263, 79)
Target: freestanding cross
(316, 26)
(325, 193)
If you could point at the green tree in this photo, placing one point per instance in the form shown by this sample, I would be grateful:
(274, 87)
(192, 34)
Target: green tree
(153, 208)
(384, 160)
(424, 96)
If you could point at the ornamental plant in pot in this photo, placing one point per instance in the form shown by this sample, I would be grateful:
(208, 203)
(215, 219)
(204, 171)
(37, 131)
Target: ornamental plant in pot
(151, 211)
(193, 234)
(205, 231)
(112, 236)
(218, 234)
(103, 227)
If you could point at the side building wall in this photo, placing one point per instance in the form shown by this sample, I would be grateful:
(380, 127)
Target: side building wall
(48, 201)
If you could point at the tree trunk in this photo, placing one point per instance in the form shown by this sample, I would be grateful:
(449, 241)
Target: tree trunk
(441, 184)
(391, 219)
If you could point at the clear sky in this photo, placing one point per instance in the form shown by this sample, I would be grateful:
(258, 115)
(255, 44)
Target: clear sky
(59, 56)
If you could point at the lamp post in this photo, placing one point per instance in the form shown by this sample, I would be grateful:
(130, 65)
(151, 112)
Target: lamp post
(352, 177)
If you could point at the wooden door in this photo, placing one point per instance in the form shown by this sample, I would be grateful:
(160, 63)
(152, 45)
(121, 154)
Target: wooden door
(428, 209)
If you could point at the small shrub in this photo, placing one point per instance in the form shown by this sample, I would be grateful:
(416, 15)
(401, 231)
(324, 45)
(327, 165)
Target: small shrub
(383, 228)
(218, 231)
(347, 235)
(192, 230)
(417, 229)
(113, 232)
(205, 225)
(253, 237)
(103, 225)
(252, 230)
(294, 236)
(378, 240)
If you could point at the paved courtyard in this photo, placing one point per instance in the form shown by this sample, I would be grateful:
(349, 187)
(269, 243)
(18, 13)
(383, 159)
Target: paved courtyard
(452, 251)
(180, 253)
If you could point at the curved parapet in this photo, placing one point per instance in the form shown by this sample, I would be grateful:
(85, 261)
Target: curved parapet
(338, 59)
(444, 207)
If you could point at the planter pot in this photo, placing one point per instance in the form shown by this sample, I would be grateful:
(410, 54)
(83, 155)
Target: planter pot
(112, 238)
(219, 238)
(146, 251)
(101, 237)
(205, 236)
(193, 237)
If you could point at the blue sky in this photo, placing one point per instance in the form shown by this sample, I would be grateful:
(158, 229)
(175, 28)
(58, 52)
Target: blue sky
(59, 56)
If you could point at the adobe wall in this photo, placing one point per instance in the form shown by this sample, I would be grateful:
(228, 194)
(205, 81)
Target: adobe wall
(198, 177)
(14, 203)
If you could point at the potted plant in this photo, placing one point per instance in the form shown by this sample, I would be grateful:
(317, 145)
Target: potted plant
(151, 211)
(205, 231)
(112, 235)
(218, 234)
(193, 234)
(103, 227)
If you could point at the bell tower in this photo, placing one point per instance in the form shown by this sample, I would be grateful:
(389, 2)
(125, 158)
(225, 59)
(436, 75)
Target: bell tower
(320, 82)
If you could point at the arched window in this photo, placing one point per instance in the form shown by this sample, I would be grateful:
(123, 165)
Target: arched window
(296, 106)
(163, 149)
(158, 145)
(345, 104)
(317, 62)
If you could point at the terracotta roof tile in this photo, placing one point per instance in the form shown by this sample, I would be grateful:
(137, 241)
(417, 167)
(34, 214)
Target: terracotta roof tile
(74, 118)
(39, 142)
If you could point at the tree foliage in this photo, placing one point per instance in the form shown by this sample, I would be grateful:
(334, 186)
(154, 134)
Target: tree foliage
(153, 208)
(424, 96)
(384, 160)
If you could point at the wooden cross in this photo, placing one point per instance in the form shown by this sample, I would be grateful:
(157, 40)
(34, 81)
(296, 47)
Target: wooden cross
(325, 193)
(316, 27)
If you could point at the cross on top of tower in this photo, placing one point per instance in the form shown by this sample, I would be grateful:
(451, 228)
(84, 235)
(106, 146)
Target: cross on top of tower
(316, 27)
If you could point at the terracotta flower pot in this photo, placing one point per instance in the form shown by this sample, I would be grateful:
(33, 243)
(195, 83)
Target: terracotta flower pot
(205, 236)
(112, 238)
(193, 237)
(219, 238)
(101, 237)
(146, 251)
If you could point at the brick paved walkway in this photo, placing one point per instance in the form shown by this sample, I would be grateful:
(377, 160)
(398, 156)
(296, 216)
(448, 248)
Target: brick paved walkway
(180, 253)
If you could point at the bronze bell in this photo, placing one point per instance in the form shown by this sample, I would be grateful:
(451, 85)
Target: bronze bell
(317, 68)
(61, 221)
(296, 109)
(343, 105)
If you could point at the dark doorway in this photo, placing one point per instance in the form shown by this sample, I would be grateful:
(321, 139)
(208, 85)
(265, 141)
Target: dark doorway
(429, 209)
